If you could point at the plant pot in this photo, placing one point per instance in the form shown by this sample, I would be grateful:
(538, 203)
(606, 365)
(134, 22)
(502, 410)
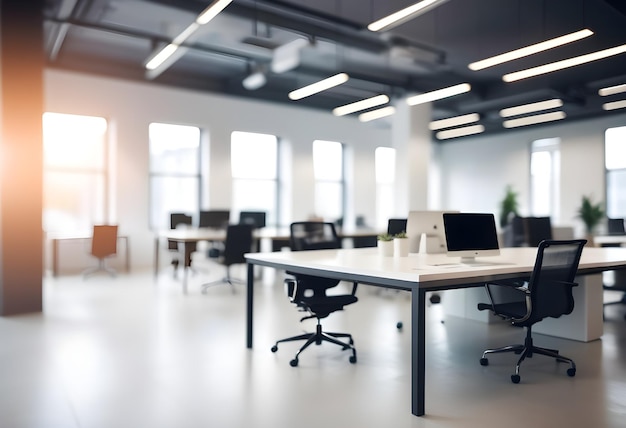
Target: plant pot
(400, 247)
(385, 248)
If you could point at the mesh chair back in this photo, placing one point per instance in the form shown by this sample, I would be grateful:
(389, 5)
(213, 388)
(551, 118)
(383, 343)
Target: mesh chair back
(238, 242)
(615, 226)
(177, 219)
(314, 235)
(555, 266)
(396, 225)
(104, 241)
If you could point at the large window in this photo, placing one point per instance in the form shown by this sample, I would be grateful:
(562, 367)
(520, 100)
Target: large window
(174, 172)
(75, 172)
(254, 163)
(615, 162)
(385, 164)
(329, 179)
(544, 178)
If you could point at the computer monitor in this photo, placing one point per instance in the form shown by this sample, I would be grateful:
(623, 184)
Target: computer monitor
(427, 224)
(471, 235)
(215, 219)
(254, 218)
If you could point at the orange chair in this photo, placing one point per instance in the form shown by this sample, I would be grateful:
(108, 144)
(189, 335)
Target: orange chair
(103, 245)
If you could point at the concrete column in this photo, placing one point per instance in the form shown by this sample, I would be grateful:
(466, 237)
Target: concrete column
(21, 156)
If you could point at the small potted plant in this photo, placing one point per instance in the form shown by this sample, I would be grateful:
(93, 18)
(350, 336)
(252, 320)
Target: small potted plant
(400, 245)
(591, 214)
(385, 244)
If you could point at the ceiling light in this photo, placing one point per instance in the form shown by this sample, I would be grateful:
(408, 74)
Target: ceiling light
(612, 90)
(614, 105)
(454, 121)
(287, 56)
(377, 114)
(438, 94)
(180, 39)
(211, 11)
(361, 105)
(404, 15)
(529, 108)
(254, 80)
(460, 132)
(529, 50)
(320, 86)
(559, 65)
(161, 56)
(531, 120)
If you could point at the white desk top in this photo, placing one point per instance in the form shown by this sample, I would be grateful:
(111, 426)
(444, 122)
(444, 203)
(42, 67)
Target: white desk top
(428, 270)
(609, 239)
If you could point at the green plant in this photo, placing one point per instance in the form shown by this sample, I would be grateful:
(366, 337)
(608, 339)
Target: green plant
(591, 214)
(401, 235)
(508, 206)
(385, 237)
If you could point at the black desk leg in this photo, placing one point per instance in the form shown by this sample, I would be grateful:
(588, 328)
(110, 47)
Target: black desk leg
(249, 305)
(418, 351)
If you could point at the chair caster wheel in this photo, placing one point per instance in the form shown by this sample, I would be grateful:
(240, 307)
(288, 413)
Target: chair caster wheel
(399, 325)
(515, 378)
(353, 359)
(274, 348)
(484, 362)
(294, 362)
(571, 372)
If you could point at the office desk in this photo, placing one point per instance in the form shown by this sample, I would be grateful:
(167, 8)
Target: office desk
(56, 243)
(417, 273)
(602, 240)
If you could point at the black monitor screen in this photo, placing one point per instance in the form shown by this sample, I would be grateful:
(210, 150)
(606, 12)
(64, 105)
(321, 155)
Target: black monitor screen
(470, 234)
(217, 219)
(253, 218)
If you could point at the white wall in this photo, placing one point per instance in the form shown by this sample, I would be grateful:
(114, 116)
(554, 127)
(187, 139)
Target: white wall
(130, 107)
(476, 170)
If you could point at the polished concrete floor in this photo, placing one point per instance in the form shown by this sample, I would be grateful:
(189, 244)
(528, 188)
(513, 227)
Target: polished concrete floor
(136, 351)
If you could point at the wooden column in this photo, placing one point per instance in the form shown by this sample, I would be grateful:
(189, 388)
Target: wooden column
(21, 154)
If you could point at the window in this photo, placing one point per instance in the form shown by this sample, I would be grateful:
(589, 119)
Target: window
(329, 179)
(544, 178)
(385, 164)
(75, 172)
(174, 172)
(615, 162)
(254, 163)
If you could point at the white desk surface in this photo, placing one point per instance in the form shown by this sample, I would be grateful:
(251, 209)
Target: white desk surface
(609, 239)
(429, 270)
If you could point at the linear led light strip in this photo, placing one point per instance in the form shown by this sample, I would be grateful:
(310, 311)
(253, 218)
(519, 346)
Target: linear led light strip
(531, 120)
(203, 18)
(460, 132)
(320, 86)
(612, 90)
(530, 50)
(614, 105)
(566, 63)
(377, 114)
(403, 15)
(454, 121)
(361, 105)
(438, 94)
(529, 108)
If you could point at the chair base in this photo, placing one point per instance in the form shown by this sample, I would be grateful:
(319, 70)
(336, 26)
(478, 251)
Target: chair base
(318, 337)
(225, 280)
(527, 350)
(102, 267)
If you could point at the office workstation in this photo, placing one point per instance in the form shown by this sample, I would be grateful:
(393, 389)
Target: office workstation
(137, 311)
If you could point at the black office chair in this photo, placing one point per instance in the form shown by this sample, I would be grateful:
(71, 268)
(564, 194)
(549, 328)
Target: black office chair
(396, 225)
(309, 292)
(177, 219)
(536, 229)
(238, 242)
(547, 293)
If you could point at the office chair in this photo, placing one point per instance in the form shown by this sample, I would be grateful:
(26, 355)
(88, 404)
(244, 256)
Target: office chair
(179, 219)
(536, 229)
(238, 242)
(103, 245)
(547, 293)
(308, 292)
(396, 225)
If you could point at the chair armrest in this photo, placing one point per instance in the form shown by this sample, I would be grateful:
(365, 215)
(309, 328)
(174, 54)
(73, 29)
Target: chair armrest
(505, 292)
